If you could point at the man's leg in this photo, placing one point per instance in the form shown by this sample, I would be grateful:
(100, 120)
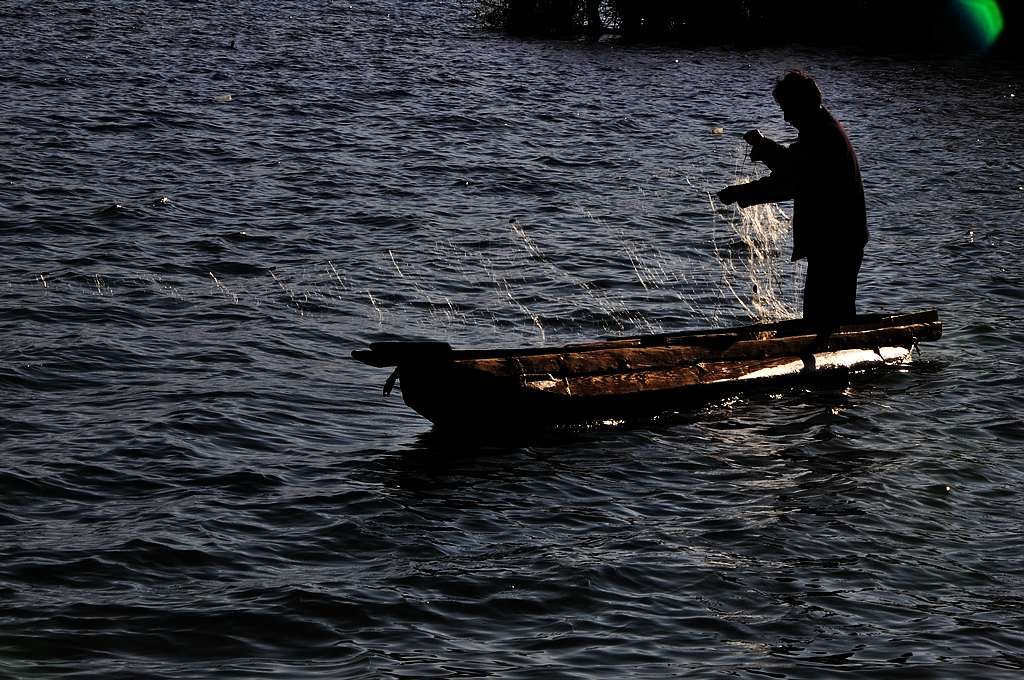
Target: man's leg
(830, 289)
(847, 268)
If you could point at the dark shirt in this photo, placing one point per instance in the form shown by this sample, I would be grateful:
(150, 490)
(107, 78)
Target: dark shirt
(820, 173)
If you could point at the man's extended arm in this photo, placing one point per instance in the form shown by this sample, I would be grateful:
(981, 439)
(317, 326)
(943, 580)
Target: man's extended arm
(770, 189)
(778, 186)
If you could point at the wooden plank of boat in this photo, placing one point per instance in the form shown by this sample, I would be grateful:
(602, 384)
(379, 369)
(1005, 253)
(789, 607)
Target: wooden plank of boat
(602, 378)
(391, 353)
(609, 360)
(667, 379)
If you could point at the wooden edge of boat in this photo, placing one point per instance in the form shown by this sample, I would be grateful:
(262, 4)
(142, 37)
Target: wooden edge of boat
(645, 352)
(709, 374)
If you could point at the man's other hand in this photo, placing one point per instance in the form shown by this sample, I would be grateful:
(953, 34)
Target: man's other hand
(753, 137)
(728, 195)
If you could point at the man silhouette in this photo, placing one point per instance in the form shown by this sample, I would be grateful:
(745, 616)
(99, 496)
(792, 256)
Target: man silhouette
(820, 173)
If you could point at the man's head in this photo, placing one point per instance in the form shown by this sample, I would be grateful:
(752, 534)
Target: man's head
(798, 95)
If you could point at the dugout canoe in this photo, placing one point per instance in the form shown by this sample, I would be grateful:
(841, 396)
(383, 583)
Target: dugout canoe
(630, 377)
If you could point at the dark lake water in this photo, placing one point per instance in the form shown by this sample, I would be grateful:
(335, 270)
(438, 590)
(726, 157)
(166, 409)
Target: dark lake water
(205, 208)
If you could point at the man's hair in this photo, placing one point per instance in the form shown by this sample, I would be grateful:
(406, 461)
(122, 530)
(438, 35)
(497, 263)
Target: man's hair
(797, 90)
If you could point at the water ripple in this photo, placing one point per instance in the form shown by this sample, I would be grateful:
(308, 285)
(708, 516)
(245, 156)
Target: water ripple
(206, 210)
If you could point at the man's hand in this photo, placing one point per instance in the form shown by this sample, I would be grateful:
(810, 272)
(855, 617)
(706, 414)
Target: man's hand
(757, 144)
(728, 195)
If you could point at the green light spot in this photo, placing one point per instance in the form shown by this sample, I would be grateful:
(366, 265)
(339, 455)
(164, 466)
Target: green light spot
(985, 19)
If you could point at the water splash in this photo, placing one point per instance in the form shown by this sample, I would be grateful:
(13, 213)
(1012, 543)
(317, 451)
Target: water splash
(513, 282)
(616, 315)
(537, 297)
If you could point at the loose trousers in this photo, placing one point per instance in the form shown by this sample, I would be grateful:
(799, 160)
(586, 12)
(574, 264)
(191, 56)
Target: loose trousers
(830, 289)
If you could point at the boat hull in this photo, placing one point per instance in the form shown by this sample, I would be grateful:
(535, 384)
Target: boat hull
(636, 377)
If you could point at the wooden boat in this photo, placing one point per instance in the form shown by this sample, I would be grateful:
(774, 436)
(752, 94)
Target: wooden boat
(636, 376)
